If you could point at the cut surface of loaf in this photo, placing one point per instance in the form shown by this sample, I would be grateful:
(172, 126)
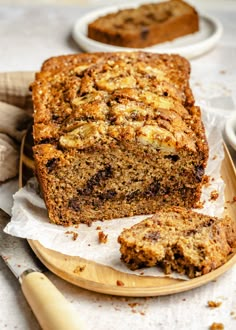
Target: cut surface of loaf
(146, 25)
(179, 240)
(116, 135)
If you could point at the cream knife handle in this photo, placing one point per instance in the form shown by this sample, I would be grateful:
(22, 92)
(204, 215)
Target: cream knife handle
(50, 307)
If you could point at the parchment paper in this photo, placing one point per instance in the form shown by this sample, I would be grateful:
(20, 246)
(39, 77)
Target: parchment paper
(30, 220)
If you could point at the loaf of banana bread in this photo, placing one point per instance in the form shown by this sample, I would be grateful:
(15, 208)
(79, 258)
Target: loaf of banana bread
(116, 135)
(146, 25)
(179, 239)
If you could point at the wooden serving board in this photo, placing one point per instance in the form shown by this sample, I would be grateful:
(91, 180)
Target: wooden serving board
(97, 277)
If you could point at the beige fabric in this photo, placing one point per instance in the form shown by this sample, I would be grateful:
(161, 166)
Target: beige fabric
(15, 116)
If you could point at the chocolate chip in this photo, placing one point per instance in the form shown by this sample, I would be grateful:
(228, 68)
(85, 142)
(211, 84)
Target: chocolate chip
(109, 194)
(191, 231)
(132, 195)
(96, 180)
(55, 118)
(208, 223)
(199, 173)
(51, 164)
(153, 189)
(74, 204)
(174, 158)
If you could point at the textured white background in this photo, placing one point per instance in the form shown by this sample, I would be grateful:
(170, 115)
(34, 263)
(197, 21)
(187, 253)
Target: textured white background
(28, 35)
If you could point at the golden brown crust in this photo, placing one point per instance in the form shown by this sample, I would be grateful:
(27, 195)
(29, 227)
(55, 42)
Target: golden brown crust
(116, 134)
(146, 25)
(179, 239)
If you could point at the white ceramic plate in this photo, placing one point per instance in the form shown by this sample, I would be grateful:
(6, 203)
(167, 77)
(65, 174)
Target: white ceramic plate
(230, 130)
(189, 46)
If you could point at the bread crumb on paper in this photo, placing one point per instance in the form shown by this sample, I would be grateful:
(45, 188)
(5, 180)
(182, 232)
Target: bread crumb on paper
(216, 326)
(73, 233)
(102, 237)
(214, 195)
(214, 304)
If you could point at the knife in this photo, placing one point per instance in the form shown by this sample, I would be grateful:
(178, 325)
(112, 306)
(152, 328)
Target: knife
(50, 307)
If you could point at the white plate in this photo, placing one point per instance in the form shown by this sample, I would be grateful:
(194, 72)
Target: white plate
(189, 46)
(230, 130)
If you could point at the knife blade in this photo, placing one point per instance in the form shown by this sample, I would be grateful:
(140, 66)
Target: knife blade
(50, 307)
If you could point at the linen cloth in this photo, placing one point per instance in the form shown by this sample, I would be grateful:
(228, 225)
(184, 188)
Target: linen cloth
(15, 116)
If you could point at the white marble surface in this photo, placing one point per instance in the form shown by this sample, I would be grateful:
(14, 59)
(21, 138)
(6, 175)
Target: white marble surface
(28, 35)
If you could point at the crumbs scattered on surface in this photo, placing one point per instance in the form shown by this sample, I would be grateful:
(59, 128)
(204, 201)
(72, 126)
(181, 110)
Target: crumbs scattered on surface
(98, 228)
(120, 283)
(214, 195)
(137, 308)
(73, 233)
(102, 237)
(79, 269)
(214, 304)
(216, 326)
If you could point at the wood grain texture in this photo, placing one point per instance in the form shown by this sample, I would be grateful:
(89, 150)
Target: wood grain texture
(97, 277)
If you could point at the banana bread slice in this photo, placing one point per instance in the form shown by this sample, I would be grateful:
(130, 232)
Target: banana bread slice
(146, 25)
(116, 135)
(179, 239)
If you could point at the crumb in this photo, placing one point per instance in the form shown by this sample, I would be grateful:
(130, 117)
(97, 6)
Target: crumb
(214, 304)
(214, 195)
(76, 226)
(233, 314)
(79, 269)
(142, 273)
(214, 157)
(73, 233)
(98, 228)
(132, 305)
(216, 326)
(222, 71)
(206, 180)
(102, 237)
(119, 283)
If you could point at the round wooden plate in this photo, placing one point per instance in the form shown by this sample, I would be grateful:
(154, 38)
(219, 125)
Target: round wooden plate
(97, 277)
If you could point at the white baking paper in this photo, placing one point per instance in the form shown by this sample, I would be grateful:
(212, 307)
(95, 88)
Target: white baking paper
(30, 220)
